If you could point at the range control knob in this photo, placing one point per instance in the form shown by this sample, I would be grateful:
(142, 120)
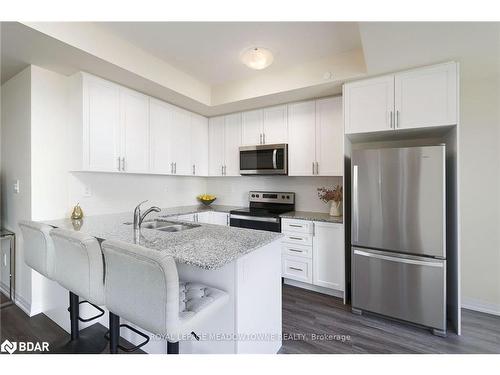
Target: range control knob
(253, 195)
(287, 197)
(282, 197)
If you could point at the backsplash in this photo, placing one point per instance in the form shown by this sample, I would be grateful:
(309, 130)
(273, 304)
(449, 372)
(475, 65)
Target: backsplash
(234, 190)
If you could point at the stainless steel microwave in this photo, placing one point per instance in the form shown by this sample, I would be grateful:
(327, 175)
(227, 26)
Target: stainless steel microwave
(264, 159)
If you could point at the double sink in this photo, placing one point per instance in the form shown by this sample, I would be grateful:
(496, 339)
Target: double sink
(165, 226)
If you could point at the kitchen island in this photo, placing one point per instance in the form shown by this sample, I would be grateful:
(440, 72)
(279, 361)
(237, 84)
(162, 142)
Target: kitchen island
(244, 263)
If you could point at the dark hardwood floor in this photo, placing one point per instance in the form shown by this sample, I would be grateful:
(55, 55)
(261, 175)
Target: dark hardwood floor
(313, 323)
(310, 313)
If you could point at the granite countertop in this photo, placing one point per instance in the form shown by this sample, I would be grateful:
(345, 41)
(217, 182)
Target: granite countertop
(206, 246)
(185, 210)
(313, 216)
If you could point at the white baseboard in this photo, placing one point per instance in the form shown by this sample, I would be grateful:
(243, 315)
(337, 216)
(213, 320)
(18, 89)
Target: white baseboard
(18, 300)
(315, 288)
(473, 304)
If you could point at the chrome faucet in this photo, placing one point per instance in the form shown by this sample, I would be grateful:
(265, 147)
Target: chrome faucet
(139, 218)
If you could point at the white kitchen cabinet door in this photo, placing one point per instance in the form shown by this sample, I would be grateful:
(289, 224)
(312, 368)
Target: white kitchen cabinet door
(251, 128)
(275, 125)
(160, 123)
(216, 126)
(202, 217)
(187, 217)
(232, 142)
(134, 118)
(329, 137)
(328, 255)
(301, 138)
(180, 142)
(426, 97)
(199, 145)
(101, 121)
(219, 218)
(369, 105)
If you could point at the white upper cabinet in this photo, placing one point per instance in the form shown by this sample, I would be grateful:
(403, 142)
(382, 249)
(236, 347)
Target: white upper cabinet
(264, 126)
(419, 98)
(232, 142)
(328, 255)
(315, 138)
(199, 145)
(252, 128)
(426, 97)
(329, 137)
(160, 116)
(301, 138)
(275, 125)
(180, 142)
(101, 125)
(134, 118)
(369, 105)
(216, 126)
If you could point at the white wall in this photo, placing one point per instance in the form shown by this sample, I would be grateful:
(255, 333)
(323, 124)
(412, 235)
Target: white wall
(16, 155)
(115, 192)
(234, 190)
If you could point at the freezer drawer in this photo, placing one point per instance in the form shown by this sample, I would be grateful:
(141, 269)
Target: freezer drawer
(403, 287)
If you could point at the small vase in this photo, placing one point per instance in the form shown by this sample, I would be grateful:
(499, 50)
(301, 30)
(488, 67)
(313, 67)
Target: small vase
(336, 208)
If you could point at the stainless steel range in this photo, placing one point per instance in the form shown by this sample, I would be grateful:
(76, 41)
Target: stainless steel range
(264, 210)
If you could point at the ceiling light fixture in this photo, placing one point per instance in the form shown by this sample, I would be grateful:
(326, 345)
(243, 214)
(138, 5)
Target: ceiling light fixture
(257, 58)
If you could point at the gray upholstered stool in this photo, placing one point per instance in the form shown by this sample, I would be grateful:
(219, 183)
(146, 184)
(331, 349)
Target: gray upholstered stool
(142, 286)
(79, 268)
(38, 248)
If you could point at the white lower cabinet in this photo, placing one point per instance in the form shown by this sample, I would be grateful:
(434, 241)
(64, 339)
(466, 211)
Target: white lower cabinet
(219, 218)
(313, 253)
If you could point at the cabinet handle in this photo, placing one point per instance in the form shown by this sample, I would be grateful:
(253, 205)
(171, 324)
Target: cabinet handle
(390, 119)
(227, 220)
(175, 168)
(296, 269)
(123, 164)
(317, 168)
(194, 169)
(296, 238)
(295, 250)
(171, 168)
(225, 170)
(313, 166)
(397, 119)
(263, 138)
(119, 164)
(295, 225)
(260, 138)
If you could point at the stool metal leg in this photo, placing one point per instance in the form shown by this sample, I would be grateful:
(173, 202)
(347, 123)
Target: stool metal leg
(172, 347)
(114, 332)
(74, 312)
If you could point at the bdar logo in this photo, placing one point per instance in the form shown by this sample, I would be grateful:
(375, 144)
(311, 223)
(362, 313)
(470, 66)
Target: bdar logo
(9, 347)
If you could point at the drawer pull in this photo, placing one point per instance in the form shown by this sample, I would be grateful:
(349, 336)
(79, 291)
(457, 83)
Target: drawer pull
(295, 269)
(297, 251)
(295, 225)
(296, 238)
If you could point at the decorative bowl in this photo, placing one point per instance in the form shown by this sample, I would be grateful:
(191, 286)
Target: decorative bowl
(206, 201)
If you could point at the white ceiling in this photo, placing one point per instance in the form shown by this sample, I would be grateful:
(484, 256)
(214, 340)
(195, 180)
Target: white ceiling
(210, 51)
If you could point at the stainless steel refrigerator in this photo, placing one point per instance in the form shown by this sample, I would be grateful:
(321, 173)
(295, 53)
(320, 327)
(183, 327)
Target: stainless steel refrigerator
(398, 233)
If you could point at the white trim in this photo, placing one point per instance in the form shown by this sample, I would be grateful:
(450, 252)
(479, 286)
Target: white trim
(315, 288)
(475, 305)
(18, 300)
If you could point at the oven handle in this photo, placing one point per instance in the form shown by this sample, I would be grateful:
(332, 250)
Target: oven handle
(256, 218)
(275, 153)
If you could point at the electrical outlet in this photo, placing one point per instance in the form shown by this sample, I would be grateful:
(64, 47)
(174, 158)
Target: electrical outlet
(16, 186)
(87, 191)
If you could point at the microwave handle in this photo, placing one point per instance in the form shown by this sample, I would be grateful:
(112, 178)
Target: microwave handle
(275, 153)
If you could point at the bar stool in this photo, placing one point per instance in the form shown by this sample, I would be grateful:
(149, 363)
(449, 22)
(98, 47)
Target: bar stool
(79, 268)
(142, 286)
(38, 248)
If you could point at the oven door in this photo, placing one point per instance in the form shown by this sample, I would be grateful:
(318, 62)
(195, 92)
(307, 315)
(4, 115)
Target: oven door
(271, 224)
(264, 159)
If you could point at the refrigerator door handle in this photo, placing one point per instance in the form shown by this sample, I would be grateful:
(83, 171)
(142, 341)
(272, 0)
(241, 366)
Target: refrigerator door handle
(355, 204)
(399, 260)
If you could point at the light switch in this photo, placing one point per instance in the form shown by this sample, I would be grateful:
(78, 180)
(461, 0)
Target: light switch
(16, 186)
